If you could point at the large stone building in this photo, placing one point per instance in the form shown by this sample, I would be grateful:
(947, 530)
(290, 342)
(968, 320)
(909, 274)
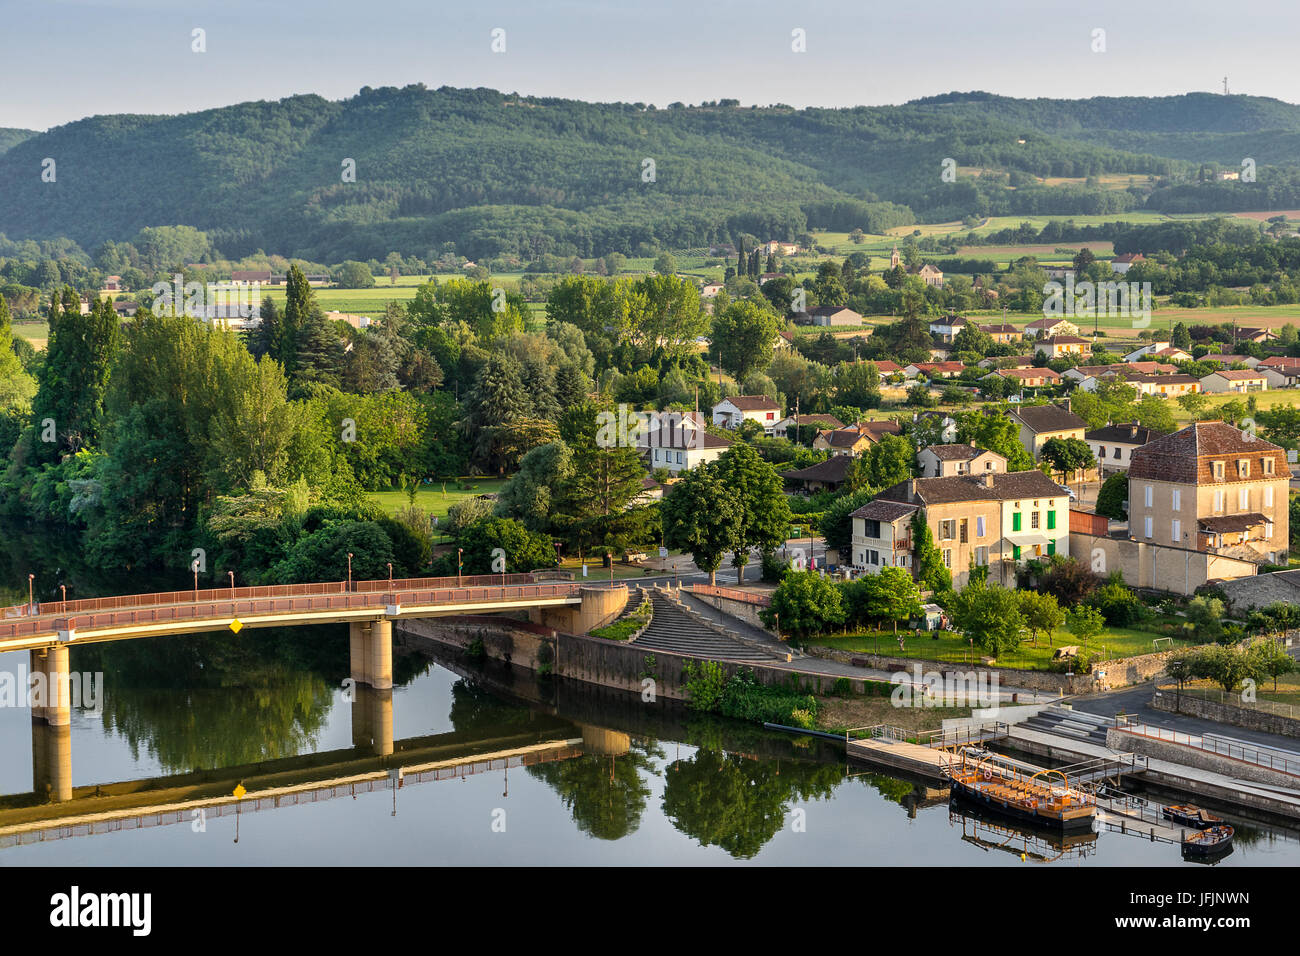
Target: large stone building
(998, 520)
(1039, 424)
(1211, 487)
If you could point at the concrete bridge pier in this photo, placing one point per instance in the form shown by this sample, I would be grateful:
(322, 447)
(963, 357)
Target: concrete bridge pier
(372, 653)
(372, 720)
(51, 700)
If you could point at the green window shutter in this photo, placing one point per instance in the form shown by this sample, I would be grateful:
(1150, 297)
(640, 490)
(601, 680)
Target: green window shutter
(1051, 520)
(1051, 548)
(1015, 548)
(1015, 523)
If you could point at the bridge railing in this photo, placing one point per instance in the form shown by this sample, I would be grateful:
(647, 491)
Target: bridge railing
(255, 605)
(126, 601)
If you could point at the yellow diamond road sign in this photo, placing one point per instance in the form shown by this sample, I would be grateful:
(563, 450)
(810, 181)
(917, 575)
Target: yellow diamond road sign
(236, 626)
(239, 791)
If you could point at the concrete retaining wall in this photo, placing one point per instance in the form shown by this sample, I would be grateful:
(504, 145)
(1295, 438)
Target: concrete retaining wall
(594, 660)
(1160, 567)
(1247, 717)
(1123, 740)
(738, 609)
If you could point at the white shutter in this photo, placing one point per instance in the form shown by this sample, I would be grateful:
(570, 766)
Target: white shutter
(979, 526)
(1147, 496)
(1268, 496)
(1243, 499)
(1176, 529)
(1148, 528)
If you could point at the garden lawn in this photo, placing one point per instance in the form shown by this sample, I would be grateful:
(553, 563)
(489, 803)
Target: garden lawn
(432, 499)
(948, 647)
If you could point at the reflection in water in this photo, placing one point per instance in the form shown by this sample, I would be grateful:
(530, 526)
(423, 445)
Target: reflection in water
(737, 802)
(207, 701)
(605, 792)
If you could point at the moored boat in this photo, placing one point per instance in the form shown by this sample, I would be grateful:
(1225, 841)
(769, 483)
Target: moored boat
(1044, 798)
(1190, 816)
(1211, 842)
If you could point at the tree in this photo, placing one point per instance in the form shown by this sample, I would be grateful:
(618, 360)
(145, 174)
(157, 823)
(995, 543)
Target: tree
(504, 545)
(355, 275)
(765, 512)
(530, 495)
(1226, 666)
(804, 603)
(702, 516)
(1067, 455)
(1112, 495)
(1084, 622)
(16, 386)
(1181, 667)
(1180, 338)
(1041, 613)
(889, 461)
(1205, 618)
(989, 615)
(666, 265)
(1193, 403)
(1271, 658)
(743, 333)
(596, 504)
(931, 572)
(892, 596)
(996, 432)
(74, 378)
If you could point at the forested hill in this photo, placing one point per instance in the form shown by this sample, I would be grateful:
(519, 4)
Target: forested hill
(12, 137)
(495, 172)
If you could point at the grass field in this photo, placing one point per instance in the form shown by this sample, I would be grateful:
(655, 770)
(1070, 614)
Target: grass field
(433, 499)
(949, 648)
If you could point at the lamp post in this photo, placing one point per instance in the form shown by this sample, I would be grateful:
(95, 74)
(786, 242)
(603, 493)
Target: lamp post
(460, 564)
(390, 575)
(31, 601)
(232, 583)
(196, 584)
(349, 571)
(64, 589)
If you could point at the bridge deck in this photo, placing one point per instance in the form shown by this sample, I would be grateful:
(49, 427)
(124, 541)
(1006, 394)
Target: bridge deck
(182, 612)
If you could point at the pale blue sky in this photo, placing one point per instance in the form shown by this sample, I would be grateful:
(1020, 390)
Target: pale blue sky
(66, 59)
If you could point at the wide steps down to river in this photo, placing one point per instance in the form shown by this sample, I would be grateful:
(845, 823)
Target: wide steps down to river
(675, 629)
(1071, 723)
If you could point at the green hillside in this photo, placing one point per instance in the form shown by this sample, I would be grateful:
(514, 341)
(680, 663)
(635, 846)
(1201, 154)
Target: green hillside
(498, 173)
(12, 137)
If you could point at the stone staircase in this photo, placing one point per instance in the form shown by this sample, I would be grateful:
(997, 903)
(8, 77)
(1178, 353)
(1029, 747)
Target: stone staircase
(1070, 723)
(677, 628)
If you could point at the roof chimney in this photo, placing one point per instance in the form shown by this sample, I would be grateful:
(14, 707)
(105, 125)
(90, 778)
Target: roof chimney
(911, 489)
(988, 479)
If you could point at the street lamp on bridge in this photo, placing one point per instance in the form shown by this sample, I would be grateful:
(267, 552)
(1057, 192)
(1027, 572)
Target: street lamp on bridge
(460, 564)
(349, 571)
(232, 583)
(390, 575)
(31, 600)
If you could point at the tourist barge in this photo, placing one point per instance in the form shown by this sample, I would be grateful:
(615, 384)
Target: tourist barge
(1044, 798)
(1208, 844)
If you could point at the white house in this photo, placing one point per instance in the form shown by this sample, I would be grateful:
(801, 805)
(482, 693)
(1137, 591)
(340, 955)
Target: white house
(734, 411)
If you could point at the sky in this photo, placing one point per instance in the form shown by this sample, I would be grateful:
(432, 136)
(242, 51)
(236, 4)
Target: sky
(68, 59)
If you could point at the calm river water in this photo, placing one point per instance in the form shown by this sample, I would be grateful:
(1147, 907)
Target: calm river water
(667, 786)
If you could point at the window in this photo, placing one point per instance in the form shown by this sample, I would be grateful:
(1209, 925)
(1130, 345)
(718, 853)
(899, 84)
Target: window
(964, 523)
(1116, 454)
(1149, 526)
(679, 458)
(1051, 548)
(988, 465)
(979, 526)
(981, 556)
(1033, 520)
(1015, 552)
(1176, 531)
(1218, 471)
(947, 529)
(1268, 529)
(1015, 522)
(1051, 521)
(873, 557)
(1243, 499)
(1147, 495)
(1268, 496)
(947, 557)
(1218, 501)
(1101, 452)
(1243, 467)
(1268, 466)
(1178, 499)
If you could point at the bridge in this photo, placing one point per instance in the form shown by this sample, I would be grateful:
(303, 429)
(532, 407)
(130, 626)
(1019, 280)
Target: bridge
(47, 629)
